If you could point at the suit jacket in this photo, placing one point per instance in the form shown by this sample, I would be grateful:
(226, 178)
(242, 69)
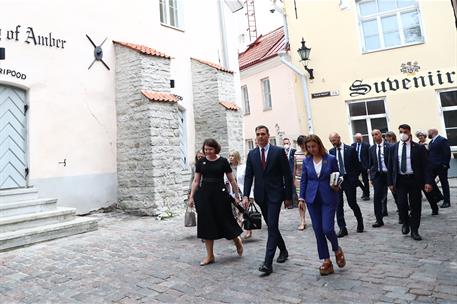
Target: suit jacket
(351, 164)
(439, 152)
(419, 164)
(290, 159)
(363, 154)
(274, 184)
(373, 159)
(310, 184)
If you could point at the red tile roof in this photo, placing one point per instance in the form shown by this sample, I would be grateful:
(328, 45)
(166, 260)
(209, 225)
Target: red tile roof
(263, 48)
(161, 96)
(213, 65)
(229, 105)
(142, 49)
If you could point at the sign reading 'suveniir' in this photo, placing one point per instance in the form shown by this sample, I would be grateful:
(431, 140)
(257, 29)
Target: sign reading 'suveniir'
(31, 36)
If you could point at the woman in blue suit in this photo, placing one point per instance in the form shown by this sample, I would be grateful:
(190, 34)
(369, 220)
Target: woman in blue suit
(321, 199)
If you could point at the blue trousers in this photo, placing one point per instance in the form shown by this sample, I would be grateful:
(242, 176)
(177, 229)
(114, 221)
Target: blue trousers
(323, 218)
(270, 213)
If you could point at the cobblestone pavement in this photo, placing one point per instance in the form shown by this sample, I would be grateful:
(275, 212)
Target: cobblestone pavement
(143, 260)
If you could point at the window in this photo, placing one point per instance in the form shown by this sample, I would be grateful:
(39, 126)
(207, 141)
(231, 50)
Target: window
(244, 92)
(389, 23)
(367, 115)
(250, 144)
(266, 93)
(272, 141)
(170, 13)
(448, 102)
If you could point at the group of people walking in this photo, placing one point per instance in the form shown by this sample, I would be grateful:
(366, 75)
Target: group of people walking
(271, 179)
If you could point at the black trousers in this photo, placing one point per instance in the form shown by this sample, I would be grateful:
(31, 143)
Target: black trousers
(350, 190)
(364, 185)
(441, 172)
(409, 195)
(380, 195)
(270, 213)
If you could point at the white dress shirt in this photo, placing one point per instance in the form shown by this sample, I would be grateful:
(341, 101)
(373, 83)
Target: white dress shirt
(383, 162)
(409, 168)
(318, 168)
(267, 147)
(342, 155)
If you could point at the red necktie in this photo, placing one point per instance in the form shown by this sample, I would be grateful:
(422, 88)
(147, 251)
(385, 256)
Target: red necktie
(263, 161)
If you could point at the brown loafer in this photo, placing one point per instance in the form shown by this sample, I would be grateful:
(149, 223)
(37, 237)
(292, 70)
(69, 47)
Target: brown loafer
(340, 260)
(326, 268)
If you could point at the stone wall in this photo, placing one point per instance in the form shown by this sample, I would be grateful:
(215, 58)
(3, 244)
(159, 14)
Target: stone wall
(147, 135)
(212, 120)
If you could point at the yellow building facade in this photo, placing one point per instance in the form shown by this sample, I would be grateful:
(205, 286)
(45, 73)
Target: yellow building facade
(377, 64)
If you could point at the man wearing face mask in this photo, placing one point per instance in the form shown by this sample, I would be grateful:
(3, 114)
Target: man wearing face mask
(290, 152)
(408, 174)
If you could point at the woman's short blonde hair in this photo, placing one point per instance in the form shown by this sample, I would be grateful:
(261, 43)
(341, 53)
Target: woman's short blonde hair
(237, 156)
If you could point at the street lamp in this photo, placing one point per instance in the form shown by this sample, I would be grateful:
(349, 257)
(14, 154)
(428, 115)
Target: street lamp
(303, 51)
(2, 53)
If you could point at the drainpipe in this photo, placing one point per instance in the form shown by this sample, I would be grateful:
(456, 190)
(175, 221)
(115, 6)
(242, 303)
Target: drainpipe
(225, 61)
(276, 9)
(309, 122)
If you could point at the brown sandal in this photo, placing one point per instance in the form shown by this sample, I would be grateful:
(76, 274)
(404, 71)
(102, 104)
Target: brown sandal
(340, 259)
(326, 268)
(239, 245)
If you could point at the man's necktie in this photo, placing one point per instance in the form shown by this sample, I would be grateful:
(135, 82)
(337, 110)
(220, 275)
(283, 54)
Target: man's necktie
(340, 162)
(263, 161)
(358, 152)
(379, 159)
(403, 159)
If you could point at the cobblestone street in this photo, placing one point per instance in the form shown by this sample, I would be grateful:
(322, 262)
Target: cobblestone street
(143, 260)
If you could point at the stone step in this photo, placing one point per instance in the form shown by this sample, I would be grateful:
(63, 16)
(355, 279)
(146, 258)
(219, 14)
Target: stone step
(18, 222)
(17, 195)
(23, 237)
(29, 206)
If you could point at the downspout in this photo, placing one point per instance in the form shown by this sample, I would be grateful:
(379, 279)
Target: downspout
(225, 61)
(309, 120)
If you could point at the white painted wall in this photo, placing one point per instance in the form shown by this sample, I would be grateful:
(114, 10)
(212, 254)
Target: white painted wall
(72, 112)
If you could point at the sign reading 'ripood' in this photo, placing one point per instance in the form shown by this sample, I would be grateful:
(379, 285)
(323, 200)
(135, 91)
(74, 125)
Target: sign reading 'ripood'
(30, 36)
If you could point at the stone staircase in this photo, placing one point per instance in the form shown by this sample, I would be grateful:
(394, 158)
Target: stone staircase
(26, 219)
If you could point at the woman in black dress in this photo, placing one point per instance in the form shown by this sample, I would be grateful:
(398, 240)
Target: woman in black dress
(215, 218)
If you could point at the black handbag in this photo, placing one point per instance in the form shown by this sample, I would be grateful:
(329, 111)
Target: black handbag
(252, 218)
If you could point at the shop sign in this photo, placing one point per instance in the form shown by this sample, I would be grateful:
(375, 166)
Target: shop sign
(32, 37)
(13, 73)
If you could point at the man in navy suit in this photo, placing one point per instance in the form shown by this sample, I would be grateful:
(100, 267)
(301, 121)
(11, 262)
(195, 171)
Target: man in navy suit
(290, 152)
(378, 159)
(349, 169)
(409, 173)
(268, 169)
(439, 157)
(361, 149)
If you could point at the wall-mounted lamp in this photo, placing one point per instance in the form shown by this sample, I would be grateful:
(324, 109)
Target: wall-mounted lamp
(303, 51)
(2, 53)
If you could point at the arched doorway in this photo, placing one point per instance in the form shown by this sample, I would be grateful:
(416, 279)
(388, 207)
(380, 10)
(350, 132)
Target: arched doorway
(13, 138)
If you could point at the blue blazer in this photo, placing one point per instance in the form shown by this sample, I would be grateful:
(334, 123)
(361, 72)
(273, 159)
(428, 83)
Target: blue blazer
(439, 152)
(364, 157)
(310, 184)
(274, 184)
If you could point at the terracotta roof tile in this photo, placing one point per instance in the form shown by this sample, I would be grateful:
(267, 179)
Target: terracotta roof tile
(142, 49)
(213, 65)
(263, 48)
(161, 96)
(229, 105)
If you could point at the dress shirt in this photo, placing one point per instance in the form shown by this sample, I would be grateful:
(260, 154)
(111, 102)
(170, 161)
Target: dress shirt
(267, 147)
(358, 149)
(318, 167)
(409, 168)
(342, 154)
(383, 162)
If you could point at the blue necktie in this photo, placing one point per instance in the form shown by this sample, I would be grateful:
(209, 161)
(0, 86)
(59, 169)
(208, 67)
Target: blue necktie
(341, 163)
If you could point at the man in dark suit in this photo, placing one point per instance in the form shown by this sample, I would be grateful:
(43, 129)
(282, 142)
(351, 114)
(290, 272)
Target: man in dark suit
(361, 148)
(439, 157)
(290, 152)
(268, 168)
(349, 170)
(378, 160)
(409, 173)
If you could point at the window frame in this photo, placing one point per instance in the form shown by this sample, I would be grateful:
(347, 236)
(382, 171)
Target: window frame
(266, 106)
(367, 117)
(272, 141)
(445, 109)
(245, 96)
(378, 16)
(164, 11)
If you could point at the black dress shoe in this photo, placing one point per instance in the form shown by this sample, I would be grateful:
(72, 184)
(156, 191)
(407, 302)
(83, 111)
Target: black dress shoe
(416, 236)
(283, 255)
(445, 205)
(360, 227)
(405, 229)
(366, 198)
(266, 269)
(400, 221)
(385, 213)
(435, 212)
(377, 224)
(342, 232)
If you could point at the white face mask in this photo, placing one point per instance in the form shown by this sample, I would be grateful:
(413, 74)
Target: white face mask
(404, 137)
(286, 146)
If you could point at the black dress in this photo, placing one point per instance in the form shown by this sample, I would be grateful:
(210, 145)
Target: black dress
(215, 218)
